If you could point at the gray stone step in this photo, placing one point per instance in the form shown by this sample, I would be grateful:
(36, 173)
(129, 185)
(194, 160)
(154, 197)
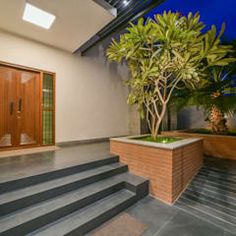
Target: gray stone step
(38, 215)
(88, 218)
(11, 185)
(209, 209)
(209, 202)
(214, 187)
(225, 180)
(206, 213)
(24, 197)
(220, 171)
(228, 186)
(219, 199)
(213, 192)
(212, 196)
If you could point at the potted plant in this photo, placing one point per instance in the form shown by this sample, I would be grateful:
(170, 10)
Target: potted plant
(163, 55)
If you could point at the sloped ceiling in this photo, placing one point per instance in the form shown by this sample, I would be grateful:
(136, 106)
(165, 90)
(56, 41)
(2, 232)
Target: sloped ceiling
(76, 21)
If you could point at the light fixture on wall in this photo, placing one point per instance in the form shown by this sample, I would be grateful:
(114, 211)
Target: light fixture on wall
(38, 16)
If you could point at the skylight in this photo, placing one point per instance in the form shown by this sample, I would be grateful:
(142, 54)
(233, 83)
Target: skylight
(126, 3)
(38, 16)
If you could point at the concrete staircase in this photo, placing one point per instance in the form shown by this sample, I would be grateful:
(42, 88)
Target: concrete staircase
(212, 196)
(69, 201)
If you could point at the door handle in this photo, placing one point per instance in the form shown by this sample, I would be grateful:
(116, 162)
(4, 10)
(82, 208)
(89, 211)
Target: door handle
(11, 108)
(20, 105)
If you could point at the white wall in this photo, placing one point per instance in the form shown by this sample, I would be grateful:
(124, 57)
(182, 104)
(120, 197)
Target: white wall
(90, 95)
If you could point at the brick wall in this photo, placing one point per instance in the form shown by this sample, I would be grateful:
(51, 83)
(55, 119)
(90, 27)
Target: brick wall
(169, 171)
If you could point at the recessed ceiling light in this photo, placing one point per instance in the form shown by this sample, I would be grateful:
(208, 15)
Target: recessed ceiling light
(38, 16)
(125, 2)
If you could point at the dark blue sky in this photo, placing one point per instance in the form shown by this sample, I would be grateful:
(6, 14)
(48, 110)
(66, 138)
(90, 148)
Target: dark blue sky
(212, 12)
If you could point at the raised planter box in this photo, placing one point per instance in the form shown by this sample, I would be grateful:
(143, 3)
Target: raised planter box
(221, 146)
(169, 167)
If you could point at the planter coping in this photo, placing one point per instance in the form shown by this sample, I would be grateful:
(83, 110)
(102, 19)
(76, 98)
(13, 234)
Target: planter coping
(168, 146)
(183, 131)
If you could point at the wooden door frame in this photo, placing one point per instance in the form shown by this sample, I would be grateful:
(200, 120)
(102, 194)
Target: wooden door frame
(41, 72)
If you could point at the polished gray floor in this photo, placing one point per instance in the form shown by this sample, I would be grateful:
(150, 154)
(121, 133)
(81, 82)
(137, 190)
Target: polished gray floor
(32, 164)
(160, 219)
(164, 220)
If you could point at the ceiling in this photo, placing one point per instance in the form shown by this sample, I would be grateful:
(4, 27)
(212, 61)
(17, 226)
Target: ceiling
(127, 10)
(76, 21)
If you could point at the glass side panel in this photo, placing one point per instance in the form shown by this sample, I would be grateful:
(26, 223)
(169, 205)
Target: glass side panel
(47, 91)
(48, 110)
(47, 127)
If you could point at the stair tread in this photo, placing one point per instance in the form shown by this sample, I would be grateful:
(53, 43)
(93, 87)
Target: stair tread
(217, 188)
(210, 202)
(216, 183)
(221, 171)
(108, 159)
(204, 215)
(207, 210)
(84, 215)
(222, 179)
(217, 172)
(220, 199)
(41, 187)
(212, 196)
(40, 209)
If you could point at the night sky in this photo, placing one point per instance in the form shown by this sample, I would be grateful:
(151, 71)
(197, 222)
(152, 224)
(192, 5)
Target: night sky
(212, 12)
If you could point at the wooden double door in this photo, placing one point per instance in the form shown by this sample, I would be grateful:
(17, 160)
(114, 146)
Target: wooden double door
(19, 108)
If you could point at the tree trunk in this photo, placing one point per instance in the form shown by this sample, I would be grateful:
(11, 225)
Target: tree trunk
(158, 121)
(217, 121)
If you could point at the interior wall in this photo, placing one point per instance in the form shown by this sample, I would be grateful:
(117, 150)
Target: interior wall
(90, 94)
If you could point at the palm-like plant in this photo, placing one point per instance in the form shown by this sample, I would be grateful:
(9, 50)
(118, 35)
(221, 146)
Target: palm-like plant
(164, 55)
(217, 98)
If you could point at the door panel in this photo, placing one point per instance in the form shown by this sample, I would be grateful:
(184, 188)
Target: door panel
(27, 108)
(19, 107)
(7, 107)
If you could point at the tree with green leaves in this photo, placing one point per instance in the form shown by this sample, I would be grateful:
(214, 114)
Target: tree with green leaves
(164, 55)
(217, 97)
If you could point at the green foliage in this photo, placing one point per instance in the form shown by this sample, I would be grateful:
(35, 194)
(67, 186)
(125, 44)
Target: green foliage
(164, 55)
(219, 91)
